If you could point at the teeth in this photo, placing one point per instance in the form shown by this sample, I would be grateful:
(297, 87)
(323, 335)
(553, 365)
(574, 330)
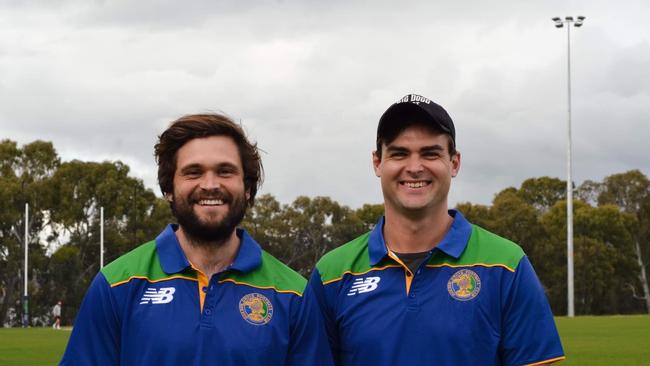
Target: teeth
(415, 184)
(210, 202)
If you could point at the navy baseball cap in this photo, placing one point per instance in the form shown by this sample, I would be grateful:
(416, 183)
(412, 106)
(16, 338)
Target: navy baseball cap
(415, 108)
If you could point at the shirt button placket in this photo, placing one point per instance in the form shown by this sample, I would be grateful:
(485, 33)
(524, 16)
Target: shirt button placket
(209, 305)
(412, 301)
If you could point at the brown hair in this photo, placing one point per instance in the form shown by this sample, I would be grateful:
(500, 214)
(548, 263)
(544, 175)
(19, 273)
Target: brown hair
(196, 126)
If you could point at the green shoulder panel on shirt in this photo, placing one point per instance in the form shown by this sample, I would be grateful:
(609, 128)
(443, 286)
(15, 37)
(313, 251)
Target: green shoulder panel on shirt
(484, 248)
(142, 262)
(272, 274)
(351, 257)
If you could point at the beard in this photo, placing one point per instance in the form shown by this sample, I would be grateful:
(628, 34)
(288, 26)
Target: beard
(210, 234)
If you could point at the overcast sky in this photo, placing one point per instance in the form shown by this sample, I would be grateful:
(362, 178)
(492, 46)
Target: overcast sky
(309, 80)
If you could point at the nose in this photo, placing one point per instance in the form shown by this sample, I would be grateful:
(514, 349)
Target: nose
(414, 165)
(210, 181)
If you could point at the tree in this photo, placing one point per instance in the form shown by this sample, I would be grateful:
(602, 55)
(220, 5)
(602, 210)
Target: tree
(630, 192)
(369, 214)
(517, 220)
(132, 215)
(266, 223)
(316, 226)
(603, 258)
(300, 233)
(477, 214)
(608, 227)
(589, 191)
(543, 192)
(25, 173)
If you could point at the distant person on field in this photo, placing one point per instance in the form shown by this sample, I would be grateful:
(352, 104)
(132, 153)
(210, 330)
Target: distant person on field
(203, 292)
(56, 313)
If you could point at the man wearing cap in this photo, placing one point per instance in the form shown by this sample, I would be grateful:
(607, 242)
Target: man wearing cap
(203, 292)
(425, 286)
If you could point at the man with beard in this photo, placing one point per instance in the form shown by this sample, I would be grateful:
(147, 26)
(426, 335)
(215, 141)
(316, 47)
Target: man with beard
(203, 292)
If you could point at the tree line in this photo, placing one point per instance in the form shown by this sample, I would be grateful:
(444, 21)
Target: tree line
(611, 231)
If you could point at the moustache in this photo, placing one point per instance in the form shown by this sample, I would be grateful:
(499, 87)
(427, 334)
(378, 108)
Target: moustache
(214, 194)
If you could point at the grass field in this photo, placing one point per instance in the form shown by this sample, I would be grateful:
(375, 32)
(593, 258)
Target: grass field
(589, 340)
(33, 346)
(606, 340)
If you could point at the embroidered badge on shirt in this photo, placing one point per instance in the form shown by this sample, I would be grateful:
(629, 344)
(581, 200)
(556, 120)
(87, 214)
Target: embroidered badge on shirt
(256, 309)
(464, 285)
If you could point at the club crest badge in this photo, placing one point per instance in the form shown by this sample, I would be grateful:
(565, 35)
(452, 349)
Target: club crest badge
(464, 285)
(256, 309)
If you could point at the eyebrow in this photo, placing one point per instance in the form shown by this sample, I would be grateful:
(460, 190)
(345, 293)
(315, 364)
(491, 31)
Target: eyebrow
(396, 148)
(435, 147)
(202, 167)
(190, 166)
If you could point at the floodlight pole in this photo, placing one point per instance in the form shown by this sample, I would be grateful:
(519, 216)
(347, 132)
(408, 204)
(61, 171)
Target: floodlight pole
(25, 293)
(101, 237)
(569, 187)
(559, 23)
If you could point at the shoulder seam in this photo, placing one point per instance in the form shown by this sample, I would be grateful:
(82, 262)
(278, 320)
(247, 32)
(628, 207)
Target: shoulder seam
(261, 287)
(152, 281)
(470, 265)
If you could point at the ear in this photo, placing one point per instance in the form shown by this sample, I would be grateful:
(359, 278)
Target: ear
(248, 194)
(169, 197)
(455, 164)
(376, 163)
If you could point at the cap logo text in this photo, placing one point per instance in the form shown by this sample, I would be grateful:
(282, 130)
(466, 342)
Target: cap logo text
(414, 98)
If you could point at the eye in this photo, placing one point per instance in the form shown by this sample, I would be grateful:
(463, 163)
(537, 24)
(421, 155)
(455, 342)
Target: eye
(398, 154)
(192, 173)
(431, 154)
(226, 171)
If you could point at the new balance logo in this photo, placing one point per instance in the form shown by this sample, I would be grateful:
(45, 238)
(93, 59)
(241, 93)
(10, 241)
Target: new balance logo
(163, 295)
(362, 285)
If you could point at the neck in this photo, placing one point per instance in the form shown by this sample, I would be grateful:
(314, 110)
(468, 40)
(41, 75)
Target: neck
(417, 233)
(209, 258)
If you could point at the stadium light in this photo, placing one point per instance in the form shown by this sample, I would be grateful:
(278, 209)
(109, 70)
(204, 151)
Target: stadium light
(559, 23)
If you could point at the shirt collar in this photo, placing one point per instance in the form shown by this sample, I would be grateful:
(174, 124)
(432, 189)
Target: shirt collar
(249, 256)
(173, 260)
(453, 244)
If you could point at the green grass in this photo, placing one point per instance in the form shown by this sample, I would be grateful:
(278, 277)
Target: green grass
(32, 346)
(605, 340)
(587, 340)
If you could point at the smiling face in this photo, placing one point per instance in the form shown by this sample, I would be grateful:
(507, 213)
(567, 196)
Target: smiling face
(415, 171)
(209, 198)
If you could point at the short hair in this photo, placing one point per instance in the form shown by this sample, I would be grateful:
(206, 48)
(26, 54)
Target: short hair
(390, 134)
(196, 126)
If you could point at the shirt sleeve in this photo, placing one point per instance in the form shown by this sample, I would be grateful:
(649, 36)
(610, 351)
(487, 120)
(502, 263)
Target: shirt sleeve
(529, 334)
(308, 343)
(326, 311)
(95, 335)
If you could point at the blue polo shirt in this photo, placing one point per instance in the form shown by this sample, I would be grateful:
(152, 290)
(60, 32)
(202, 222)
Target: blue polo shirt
(475, 301)
(152, 307)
